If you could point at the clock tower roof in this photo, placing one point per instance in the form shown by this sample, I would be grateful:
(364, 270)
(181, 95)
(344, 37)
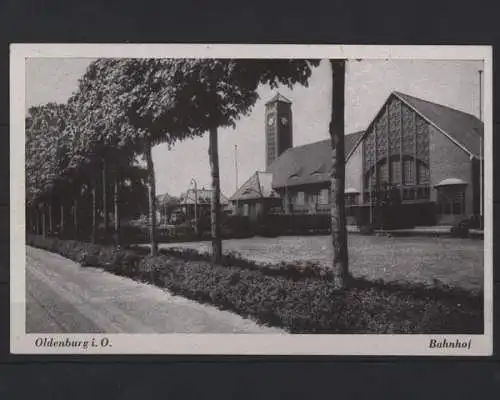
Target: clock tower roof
(279, 97)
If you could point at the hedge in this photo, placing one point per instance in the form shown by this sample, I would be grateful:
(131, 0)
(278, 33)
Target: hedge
(307, 304)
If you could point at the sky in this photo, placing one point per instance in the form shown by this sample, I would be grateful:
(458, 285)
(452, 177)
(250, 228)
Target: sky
(368, 84)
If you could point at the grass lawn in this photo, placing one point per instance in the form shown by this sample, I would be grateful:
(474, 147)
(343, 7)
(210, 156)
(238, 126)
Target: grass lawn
(455, 262)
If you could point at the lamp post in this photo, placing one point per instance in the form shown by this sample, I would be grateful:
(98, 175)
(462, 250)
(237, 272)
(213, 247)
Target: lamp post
(195, 205)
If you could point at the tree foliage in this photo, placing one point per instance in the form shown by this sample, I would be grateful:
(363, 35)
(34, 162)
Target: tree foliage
(191, 96)
(123, 107)
(46, 149)
(195, 96)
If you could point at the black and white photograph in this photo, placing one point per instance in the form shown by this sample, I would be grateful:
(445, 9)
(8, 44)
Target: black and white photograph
(251, 199)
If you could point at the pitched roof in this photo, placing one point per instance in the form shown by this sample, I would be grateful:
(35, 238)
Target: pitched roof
(258, 186)
(464, 129)
(165, 198)
(204, 197)
(310, 163)
(279, 97)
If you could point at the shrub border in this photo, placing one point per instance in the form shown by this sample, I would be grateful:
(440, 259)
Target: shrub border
(303, 304)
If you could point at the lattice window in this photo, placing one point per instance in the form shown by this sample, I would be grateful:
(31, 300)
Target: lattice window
(422, 139)
(408, 130)
(458, 206)
(394, 127)
(382, 137)
(409, 172)
(396, 172)
(383, 172)
(423, 174)
(369, 151)
(423, 193)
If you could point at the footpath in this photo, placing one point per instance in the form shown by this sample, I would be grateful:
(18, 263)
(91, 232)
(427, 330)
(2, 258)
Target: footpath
(63, 297)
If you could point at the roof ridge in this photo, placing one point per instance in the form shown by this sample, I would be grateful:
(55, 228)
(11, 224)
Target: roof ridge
(322, 140)
(279, 97)
(398, 93)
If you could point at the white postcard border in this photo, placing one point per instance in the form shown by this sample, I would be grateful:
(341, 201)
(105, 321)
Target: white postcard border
(244, 344)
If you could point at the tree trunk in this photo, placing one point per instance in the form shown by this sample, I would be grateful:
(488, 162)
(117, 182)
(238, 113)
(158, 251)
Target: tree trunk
(61, 231)
(75, 217)
(44, 223)
(105, 196)
(213, 153)
(116, 213)
(94, 216)
(151, 200)
(28, 223)
(37, 227)
(337, 214)
(51, 221)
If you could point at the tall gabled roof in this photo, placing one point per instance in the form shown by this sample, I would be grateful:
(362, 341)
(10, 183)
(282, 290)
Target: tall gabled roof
(258, 186)
(310, 163)
(464, 129)
(279, 97)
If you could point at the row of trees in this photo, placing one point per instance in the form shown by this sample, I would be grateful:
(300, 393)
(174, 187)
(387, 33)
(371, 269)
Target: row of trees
(76, 152)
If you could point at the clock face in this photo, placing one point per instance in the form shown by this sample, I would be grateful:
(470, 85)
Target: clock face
(284, 120)
(270, 120)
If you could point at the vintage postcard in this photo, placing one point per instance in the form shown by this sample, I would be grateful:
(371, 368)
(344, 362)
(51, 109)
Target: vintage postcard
(251, 199)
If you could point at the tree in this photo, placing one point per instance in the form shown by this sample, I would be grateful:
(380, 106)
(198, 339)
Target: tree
(132, 103)
(46, 157)
(167, 205)
(337, 214)
(207, 94)
(103, 137)
(166, 100)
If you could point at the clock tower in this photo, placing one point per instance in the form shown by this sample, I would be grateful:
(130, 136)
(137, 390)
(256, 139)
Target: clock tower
(279, 135)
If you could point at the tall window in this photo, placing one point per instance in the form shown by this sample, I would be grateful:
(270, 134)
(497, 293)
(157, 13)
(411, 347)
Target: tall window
(423, 174)
(409, 172)
(383, 171)
(396, 172)
(324, 197)
(314, 198)
(458, 206)
(300, 198)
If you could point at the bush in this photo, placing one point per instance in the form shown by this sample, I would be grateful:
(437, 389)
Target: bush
(297, 224)
(238, 226)
(366, 230)
(312, 305)
(117, 260)
(296, 297)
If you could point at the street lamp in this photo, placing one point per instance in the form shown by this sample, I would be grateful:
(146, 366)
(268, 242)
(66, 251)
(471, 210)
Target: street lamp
(195, 205)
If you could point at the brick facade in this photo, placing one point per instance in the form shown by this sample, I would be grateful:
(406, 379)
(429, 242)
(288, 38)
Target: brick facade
(401, 151)
(447, 161)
